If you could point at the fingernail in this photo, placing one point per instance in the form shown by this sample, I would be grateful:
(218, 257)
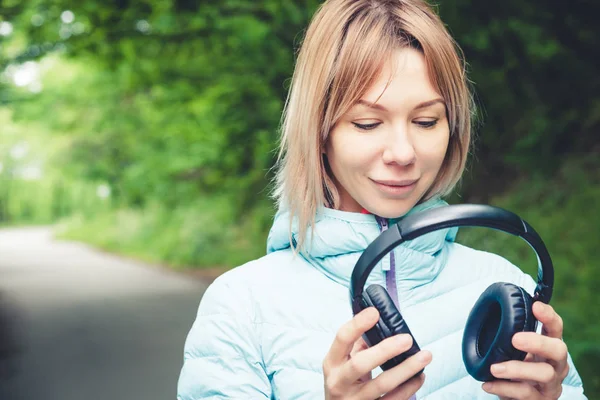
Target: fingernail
(487, 386)
(519, 340)
(402, 340)
(497, 368)
(540, 307)
(372, 313)
(423, 356)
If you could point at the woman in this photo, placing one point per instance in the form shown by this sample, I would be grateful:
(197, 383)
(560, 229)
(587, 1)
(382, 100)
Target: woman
(376, 127)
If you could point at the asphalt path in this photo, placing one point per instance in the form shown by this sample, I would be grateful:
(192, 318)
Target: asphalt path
(76, 323)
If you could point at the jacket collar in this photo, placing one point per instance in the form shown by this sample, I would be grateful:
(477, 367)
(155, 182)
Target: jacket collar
(340, 237)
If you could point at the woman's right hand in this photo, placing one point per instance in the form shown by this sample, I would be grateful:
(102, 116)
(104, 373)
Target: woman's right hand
(348, 364)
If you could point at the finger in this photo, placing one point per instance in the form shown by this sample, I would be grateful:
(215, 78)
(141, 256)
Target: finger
(361, 345)
(541, 372)
(552, 349)
(392, 378)
(513, 390)
(349, 333)
(407, 389)
(371, 358)
(552, 322)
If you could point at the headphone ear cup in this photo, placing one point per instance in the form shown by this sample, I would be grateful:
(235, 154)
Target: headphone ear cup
(390, 323)
(502, 310)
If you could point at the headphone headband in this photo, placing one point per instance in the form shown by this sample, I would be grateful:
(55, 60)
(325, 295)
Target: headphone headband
(473, 215)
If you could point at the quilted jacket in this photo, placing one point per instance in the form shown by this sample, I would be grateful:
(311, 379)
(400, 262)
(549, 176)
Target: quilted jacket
(263, 328)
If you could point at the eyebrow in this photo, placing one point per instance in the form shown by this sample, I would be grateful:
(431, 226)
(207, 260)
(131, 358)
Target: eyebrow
(418, 107)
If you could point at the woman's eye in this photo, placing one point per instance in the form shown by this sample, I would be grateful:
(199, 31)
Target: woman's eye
(427, 124)
(366, 127)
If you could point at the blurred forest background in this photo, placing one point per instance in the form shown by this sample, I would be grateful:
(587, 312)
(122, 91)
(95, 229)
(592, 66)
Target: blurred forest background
(148, 128)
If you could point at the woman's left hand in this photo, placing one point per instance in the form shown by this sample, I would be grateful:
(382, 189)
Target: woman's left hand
(540, 376)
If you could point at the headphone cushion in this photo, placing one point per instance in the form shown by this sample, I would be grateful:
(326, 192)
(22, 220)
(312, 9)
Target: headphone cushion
(390, 323)
(388, 313)
(502, 310)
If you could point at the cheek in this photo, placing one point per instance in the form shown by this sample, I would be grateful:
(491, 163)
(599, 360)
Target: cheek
(431, 149)
(348, 152)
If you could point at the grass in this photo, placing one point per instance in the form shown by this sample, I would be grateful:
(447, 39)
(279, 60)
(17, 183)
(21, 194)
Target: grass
(205, 235)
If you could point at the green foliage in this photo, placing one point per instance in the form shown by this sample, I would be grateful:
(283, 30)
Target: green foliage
(164, 101)
(534, 66)
(204, 233)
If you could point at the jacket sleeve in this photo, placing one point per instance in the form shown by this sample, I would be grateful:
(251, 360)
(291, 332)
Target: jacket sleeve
(221, 357)
(572, 385)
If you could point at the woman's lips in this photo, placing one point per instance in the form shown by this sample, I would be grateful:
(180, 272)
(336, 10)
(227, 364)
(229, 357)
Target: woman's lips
(400, 187)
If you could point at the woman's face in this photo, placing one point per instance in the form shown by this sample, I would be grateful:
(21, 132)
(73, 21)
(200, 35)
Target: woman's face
(385, 156)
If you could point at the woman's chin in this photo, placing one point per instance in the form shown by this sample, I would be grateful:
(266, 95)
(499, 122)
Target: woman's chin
(391, 208)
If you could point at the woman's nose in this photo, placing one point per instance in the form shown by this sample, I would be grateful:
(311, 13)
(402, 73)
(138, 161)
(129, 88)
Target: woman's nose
(398, 148)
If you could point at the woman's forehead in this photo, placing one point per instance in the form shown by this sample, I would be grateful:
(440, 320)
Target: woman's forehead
(404, 78)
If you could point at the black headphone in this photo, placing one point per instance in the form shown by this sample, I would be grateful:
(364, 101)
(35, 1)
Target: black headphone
(502, 310)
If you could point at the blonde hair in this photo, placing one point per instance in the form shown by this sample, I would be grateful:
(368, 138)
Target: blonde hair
(343, 52)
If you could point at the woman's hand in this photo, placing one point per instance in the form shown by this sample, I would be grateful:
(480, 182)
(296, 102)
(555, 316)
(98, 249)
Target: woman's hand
(540, 376)
(348, 365)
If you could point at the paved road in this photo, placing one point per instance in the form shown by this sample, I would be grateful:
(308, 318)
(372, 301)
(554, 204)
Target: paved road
(80, 324)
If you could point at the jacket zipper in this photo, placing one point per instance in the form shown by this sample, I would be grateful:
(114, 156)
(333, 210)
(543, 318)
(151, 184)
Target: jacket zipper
(390, 274)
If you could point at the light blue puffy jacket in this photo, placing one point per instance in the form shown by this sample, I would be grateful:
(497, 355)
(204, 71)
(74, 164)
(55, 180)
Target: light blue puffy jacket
(263, 329)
